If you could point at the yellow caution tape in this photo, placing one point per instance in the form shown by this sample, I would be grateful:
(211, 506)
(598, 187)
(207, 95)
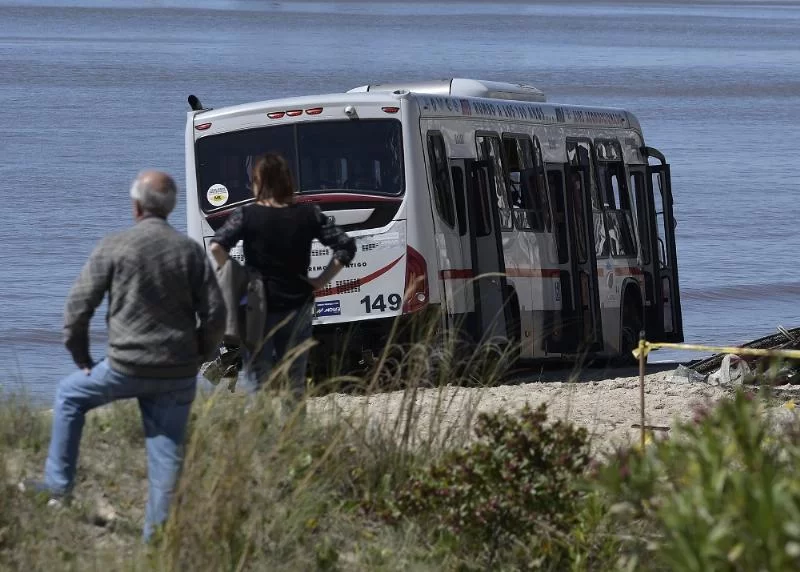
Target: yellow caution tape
(647, 347)
(643, 348)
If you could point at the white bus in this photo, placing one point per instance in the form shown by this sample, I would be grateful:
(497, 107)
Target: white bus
(516, 219)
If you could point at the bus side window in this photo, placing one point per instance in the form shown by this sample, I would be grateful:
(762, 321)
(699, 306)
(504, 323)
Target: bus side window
(490, 148)
(616, 199)
(528, 184)
(638, 191)
(575, 198)
(624, 212)
(440, 176)
(518, 162)
(579, 154)
(662, 236)
(542, 195)
(555, 183)
(514, 170)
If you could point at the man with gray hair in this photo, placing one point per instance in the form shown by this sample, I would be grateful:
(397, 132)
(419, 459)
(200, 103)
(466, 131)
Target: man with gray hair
(165, 317)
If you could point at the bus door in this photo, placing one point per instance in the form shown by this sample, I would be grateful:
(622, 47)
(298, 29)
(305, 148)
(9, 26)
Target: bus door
(485, 248)
(563, 335)
(587, 333)
(462, 261)
(666, 316)
(448, 227)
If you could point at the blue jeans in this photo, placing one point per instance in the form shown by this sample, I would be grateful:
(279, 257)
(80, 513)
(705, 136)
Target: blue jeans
(277, 344)
(165, 406)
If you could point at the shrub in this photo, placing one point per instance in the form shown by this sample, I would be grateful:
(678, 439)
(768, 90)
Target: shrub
(721, 494)
(516, 483)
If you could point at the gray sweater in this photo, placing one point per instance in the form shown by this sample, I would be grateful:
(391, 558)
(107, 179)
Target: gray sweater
(165, 310)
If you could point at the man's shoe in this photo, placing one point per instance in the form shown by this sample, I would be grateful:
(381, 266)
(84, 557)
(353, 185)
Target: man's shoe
(38, 488)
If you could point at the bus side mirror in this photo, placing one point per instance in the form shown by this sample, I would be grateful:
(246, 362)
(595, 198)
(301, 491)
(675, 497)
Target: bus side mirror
(194, 103)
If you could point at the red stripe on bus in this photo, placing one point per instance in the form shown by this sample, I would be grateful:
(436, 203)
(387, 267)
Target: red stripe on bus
(358, 282)
(457, 274)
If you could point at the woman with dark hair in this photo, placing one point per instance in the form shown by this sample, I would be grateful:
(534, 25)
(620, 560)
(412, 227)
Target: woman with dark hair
(276, 234)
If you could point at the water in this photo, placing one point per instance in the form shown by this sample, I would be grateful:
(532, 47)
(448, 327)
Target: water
(93, 91)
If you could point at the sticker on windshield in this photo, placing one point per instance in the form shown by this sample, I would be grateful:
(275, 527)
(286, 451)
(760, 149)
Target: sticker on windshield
(217, 195)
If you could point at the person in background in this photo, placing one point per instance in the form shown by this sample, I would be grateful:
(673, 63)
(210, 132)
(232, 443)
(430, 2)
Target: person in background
(276, 233)
(165, 317)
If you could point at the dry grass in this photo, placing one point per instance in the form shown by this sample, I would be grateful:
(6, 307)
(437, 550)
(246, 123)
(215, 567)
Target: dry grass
(274, 485)
(266, 484)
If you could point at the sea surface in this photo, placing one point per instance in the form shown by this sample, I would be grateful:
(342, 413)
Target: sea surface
(93, 91)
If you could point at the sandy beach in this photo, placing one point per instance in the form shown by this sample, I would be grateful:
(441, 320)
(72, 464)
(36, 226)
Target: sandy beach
(605, 401)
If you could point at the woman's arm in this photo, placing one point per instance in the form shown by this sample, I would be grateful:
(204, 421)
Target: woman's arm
(227, 236)
(219, 253)
(343, 246)
(330, 272)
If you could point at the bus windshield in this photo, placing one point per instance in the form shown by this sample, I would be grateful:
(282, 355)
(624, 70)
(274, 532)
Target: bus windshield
(359, 156)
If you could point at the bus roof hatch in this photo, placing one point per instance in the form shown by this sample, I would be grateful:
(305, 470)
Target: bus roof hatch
(462, 87)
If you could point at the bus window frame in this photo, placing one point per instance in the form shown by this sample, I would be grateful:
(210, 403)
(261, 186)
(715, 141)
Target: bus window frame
(559, 196)
(621, 180)
(547, 211)
(593, 180)
(519, 214)
(502, 194)
(643, 214)
(543, 216)
(483, 224)
(429, 135)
